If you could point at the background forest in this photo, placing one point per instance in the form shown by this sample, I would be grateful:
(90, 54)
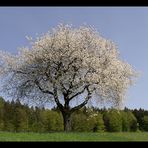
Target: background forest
(16, 117)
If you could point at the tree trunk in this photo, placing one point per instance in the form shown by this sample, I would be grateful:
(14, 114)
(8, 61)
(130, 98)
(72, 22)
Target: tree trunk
(67, 121)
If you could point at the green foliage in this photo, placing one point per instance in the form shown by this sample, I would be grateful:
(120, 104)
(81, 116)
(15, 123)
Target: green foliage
(8, 117)
(79, 122)
(129, 121)
(145, 123)
(125, 122)
(95, 120)
(1, 113)
(113, 121)
(52, 120)
(87, 122)
(139, 114)
(132, 121)
(16, 117)
(99, 123)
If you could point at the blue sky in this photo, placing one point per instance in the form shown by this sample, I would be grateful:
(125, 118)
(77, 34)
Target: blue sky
(126, 26)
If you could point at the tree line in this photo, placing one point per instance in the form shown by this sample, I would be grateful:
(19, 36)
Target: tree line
(17, 117)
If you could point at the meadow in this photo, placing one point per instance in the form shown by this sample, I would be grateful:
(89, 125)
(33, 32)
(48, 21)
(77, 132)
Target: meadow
(62, 136)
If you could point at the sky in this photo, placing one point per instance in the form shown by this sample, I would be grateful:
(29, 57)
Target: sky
(126, 26)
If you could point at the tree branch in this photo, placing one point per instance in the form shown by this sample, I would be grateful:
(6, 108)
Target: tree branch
(71, 82)
(80, 92)
(63, 87)
(65, 70)
(18, 71)
(56, 98)
(83, 103)
(40, 88)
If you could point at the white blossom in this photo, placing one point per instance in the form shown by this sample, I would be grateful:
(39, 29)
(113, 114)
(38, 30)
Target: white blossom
(70, 59)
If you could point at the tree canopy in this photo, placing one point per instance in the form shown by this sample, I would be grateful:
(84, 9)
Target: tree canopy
(66, 64)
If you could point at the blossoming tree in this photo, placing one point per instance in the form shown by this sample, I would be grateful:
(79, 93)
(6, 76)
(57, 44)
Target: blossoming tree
(64, 65)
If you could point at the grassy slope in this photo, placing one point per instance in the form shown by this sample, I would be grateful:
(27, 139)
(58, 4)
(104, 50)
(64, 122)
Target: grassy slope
(8, 136)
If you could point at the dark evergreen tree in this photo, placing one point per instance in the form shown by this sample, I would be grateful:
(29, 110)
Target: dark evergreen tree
(1, 113)
(139, 114)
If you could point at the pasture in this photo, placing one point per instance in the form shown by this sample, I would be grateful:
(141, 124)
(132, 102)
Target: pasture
(62, 136)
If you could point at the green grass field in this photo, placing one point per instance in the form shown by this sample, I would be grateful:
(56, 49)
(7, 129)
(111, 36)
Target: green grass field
(128, 136)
